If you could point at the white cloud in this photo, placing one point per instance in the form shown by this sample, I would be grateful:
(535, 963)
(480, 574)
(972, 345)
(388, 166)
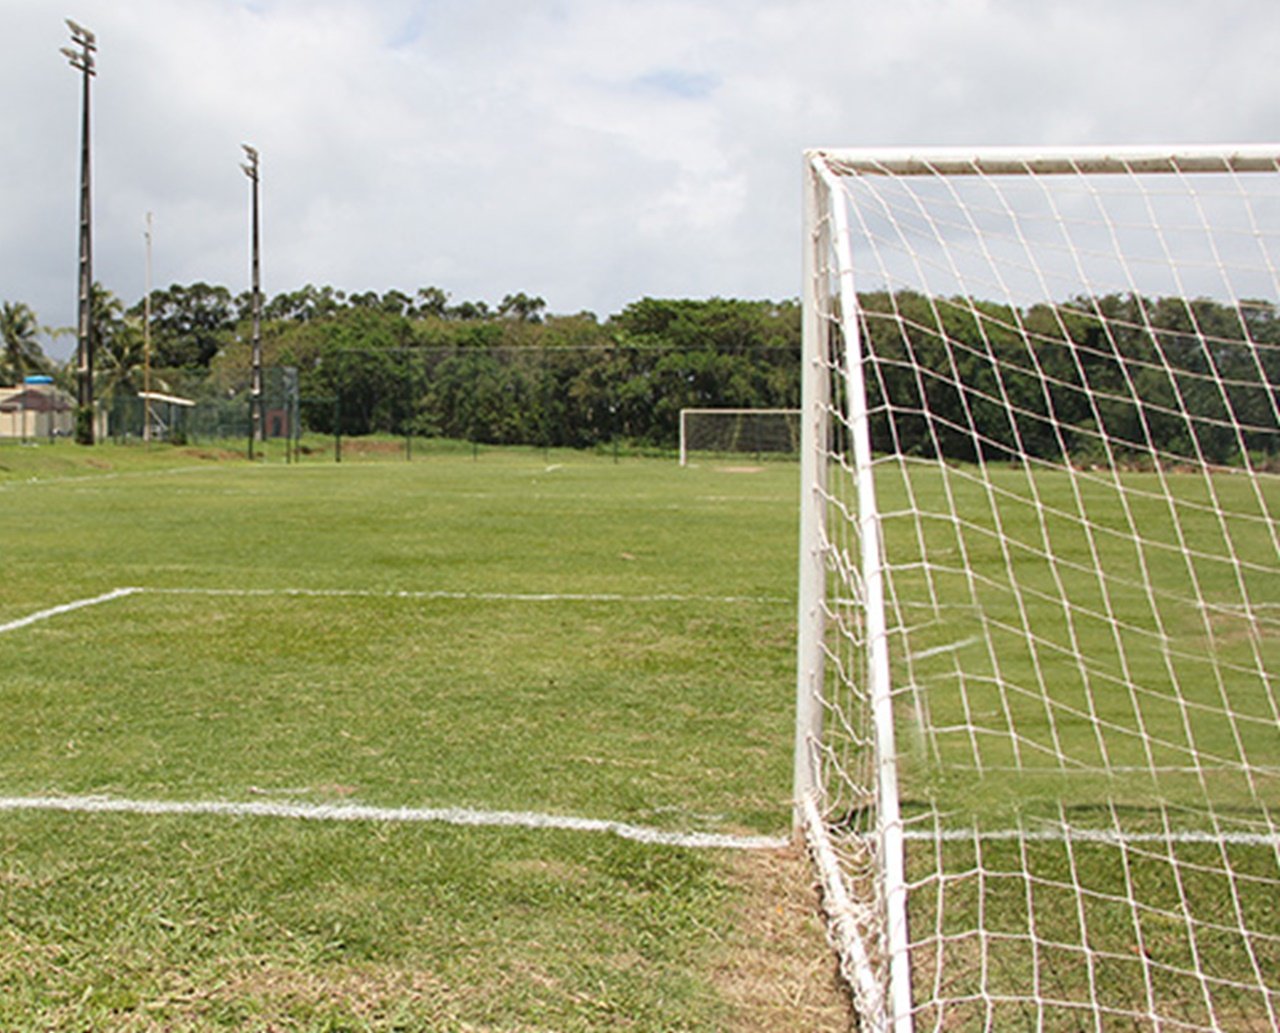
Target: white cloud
(590, 151)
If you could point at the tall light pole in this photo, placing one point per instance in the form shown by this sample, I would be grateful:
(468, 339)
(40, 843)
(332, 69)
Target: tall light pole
(83, 60)
(255, 392)
(146, 343)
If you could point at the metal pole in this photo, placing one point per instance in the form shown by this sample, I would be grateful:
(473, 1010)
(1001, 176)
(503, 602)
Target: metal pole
(86, 265)
(890, 830)
(255, 391)
(146, 345)
(83, 60)
(811, 609)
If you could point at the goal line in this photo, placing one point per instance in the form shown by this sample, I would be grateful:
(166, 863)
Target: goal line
(464, 816)
(475, 817)
(360, 593)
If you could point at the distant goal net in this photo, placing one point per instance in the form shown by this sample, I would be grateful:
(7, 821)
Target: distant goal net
(754, 432)
(1038, 680)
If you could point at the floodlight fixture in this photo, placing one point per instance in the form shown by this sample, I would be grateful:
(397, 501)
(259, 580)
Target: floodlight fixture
(81, 35)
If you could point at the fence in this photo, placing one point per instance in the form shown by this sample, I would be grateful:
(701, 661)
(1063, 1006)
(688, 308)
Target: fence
(544, 397)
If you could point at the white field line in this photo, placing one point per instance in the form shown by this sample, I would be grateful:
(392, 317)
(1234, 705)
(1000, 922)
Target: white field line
(518, 597)
(951, 647)
(359, 813)
(1116, 769)
(92, 478)
(1105, 836)
(78, 604)
(533, 820)
(359, 593)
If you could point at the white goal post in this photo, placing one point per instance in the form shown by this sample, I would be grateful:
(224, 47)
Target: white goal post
(1037, 755)
(753, 431)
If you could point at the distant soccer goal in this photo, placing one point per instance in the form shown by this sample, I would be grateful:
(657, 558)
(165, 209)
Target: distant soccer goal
(1038, 682)
(758, 432)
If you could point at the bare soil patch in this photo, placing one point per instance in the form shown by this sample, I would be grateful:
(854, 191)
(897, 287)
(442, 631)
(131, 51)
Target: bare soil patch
(359, 447)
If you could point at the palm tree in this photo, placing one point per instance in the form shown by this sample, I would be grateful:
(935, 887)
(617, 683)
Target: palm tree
(117, 347)
(119, 362)
(20, 352)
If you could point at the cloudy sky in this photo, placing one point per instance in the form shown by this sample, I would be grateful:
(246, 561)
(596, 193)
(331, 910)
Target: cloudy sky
(591, 152)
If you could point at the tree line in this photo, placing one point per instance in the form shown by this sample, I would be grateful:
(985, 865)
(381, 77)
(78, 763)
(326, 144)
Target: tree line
(1112, 379)
(503, 374)
(1100, 379)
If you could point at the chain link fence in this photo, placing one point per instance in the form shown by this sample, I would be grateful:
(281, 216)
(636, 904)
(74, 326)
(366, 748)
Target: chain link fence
(203, 406)
(542, 397)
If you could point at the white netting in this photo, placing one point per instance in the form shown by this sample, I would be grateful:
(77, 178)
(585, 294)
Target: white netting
(1065, 374)
(748, 432)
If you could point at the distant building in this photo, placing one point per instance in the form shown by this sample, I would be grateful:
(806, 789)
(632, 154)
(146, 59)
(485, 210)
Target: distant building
(36, 409)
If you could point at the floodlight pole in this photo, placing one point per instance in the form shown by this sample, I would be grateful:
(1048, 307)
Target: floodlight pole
(255, 392)
(83, 60)
(146, 344)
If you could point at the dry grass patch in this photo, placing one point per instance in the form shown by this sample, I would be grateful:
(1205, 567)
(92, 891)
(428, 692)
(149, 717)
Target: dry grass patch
(776, 969)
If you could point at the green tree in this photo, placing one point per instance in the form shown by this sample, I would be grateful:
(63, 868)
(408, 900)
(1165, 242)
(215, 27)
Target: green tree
(119, 361)
(304, 305)
(522, 307)
(189, 324)
(21, 355)
(468, 310)
(430, 301)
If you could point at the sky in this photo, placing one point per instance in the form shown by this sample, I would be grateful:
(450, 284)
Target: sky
(589, 152)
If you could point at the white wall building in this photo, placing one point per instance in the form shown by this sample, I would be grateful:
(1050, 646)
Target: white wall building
(36, 411)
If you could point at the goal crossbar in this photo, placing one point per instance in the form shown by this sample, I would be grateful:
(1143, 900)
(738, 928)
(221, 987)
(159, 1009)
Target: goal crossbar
(997, 161)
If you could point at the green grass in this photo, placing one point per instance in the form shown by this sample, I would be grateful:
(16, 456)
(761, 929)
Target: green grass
(1037, 656)
(123, 921)
(603, 709)
(672, 710)
(1018, 706)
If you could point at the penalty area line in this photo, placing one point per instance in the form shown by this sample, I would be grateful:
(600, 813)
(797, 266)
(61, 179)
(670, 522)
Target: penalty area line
(362, 813)
(447, 594)
(357, 593)
(78, 604)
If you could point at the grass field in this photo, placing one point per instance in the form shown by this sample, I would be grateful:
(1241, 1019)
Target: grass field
(1080, 650)
(1085, 667)
(562, 642)
(543, 636)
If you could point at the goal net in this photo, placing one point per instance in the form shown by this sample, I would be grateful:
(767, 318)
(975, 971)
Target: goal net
(1038, 685)
(730, 431)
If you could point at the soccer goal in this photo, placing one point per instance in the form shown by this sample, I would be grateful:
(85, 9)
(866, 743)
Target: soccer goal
(730, 431)
(1038, 680)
